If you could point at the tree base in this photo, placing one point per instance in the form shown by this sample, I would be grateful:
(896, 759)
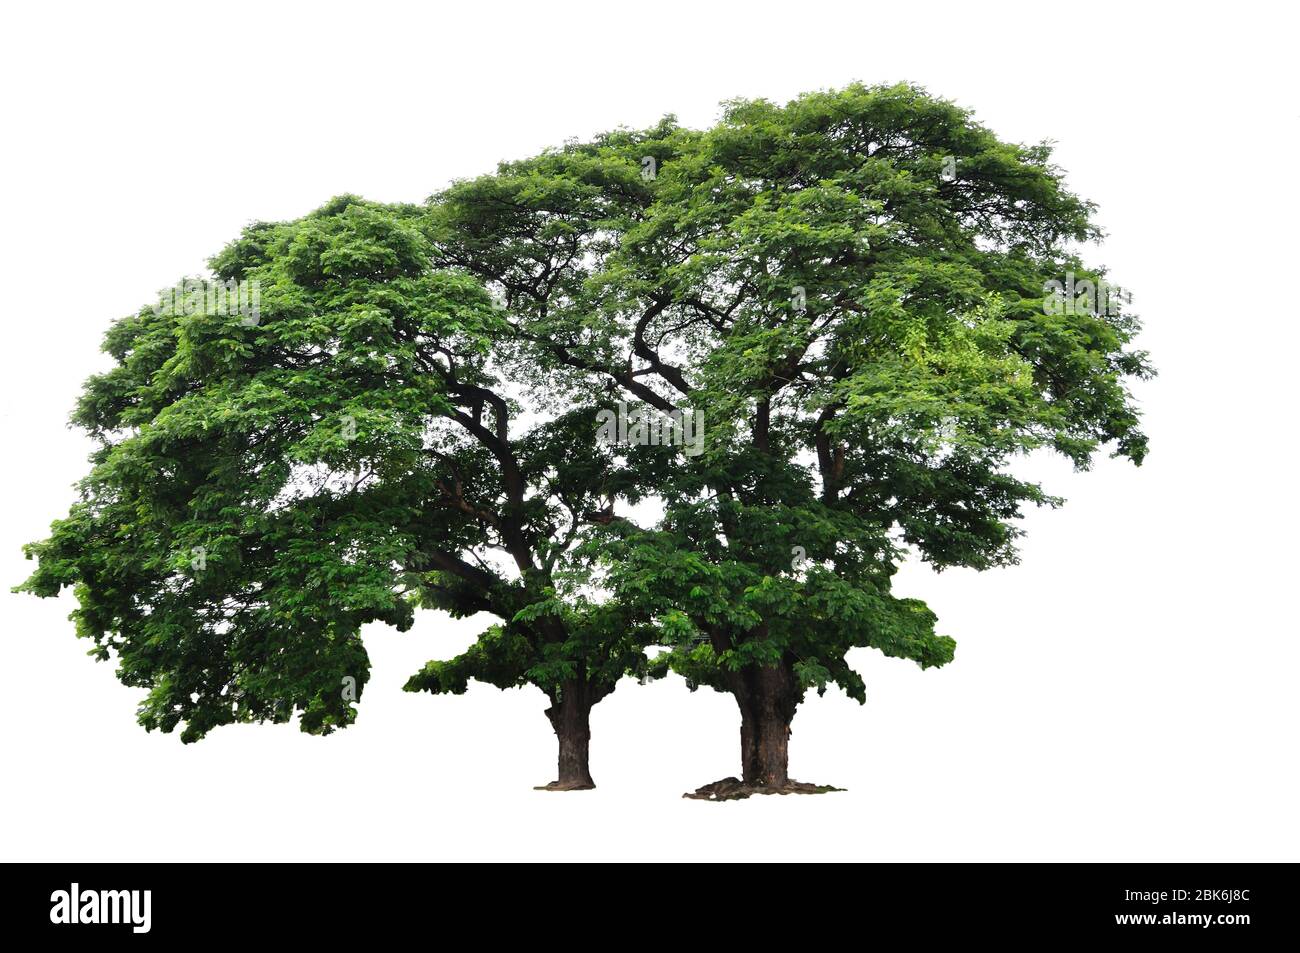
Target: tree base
(733, 789)
(567, 786)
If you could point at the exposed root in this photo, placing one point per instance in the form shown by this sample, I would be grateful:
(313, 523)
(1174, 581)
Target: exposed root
(733, 789)
(566, 786)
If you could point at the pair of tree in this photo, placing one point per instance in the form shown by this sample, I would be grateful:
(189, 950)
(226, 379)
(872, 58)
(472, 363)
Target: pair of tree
(846, 293)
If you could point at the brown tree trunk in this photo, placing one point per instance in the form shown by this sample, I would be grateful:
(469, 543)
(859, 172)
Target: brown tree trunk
(765, 749)
(570, 716)
(767, 697)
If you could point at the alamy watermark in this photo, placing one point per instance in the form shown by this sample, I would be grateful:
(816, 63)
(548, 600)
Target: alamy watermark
(646, 426)
(199, 296)
(1083, 297)
(128, 907)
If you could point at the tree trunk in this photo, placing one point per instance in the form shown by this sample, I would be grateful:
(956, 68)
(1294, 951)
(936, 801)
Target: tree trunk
(765, 750)
(767, 697)
(570, 716)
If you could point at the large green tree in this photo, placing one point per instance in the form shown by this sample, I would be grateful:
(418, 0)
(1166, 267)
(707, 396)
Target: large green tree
(850, 289)
(266, 483)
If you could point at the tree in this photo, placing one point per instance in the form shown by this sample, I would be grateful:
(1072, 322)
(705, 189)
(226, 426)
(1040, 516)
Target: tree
(851, 290)
(269, 479)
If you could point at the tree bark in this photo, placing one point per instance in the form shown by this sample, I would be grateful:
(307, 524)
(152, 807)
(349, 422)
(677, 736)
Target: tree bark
(768, 697)
(570, 716)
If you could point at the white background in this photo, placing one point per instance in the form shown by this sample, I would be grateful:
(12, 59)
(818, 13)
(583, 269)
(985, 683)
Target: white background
(1127, 692)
